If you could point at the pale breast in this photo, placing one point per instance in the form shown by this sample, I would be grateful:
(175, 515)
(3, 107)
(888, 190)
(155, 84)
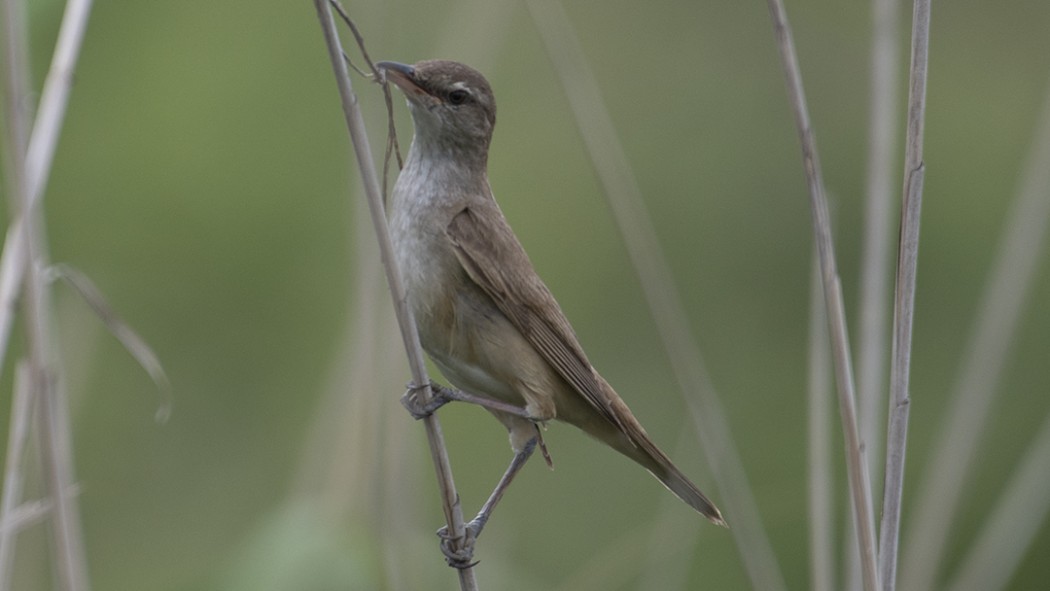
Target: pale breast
(455, 317)
(450, 310)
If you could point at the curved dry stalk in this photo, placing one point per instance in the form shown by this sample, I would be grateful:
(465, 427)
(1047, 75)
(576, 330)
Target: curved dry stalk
(860, 489)
(624, 198)
(134, 344)
(392, 147)
(355, 126)
(1009, 282)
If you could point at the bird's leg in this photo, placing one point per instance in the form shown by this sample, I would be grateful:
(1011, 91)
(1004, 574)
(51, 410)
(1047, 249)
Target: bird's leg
(516, 464)
(461, 557)
(442, 396)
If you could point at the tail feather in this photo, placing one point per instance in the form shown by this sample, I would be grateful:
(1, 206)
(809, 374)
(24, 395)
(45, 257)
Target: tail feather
(671, 477)
(653, 459)
(630, 439)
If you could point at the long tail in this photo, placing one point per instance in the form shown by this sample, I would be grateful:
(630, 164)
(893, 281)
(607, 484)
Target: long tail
(660, 466)
(630, 439)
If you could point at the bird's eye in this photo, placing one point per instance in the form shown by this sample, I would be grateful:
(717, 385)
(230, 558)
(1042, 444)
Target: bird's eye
(458, 96)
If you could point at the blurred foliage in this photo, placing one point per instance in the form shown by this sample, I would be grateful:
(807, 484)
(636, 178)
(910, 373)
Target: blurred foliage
(202, 181)
(295, 549)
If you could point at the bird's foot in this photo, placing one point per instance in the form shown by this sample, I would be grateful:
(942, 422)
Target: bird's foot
(421, 410)
(459, 552)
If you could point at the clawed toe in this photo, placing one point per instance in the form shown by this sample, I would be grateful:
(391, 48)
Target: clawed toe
(419, 409)
(459, 552)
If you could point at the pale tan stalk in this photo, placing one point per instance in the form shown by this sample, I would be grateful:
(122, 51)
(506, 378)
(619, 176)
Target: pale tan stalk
(904, 298)
(355, 126)
(1021, 248)
(41, 151)
(875, 259)
(821, 490)
(44, 366)
(14, 476)
(859, 483)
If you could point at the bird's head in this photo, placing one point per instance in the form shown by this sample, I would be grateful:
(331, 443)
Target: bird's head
(452, 104)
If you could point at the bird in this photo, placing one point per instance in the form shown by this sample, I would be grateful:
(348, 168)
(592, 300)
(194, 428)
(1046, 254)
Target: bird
(484, 316)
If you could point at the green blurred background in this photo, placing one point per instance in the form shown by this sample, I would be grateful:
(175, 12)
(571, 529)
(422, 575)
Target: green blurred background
(205, 182)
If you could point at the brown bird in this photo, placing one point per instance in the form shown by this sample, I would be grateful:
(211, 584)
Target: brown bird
(484, 316)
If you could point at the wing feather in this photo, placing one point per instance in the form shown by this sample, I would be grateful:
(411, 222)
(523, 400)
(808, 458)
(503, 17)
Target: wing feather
(495, 260)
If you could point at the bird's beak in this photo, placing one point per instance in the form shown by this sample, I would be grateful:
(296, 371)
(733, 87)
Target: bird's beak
(404, 76)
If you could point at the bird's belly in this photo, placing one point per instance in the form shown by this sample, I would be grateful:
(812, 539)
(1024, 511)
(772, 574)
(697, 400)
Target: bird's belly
(469, 341)
(480, 351)
(476, 379)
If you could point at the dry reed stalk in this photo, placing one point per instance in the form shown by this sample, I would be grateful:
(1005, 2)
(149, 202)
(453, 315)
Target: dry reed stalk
(1010, 277)
(904, 297)
(860, 489)
(874, 286)
(21, 415)
(356, 128)
(41, 150)
(44, 366)
(821, 495)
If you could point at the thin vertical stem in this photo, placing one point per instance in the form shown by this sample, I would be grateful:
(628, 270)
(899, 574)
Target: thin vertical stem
(882, 131)
(355, 125)
(1022, 245)
(12, 270)
(875, 259)
(55, 428)
(904, 298)
(21, 415)
(821, 505)
(41, 151)
(55, 96)
(860, 489)
(624, 197)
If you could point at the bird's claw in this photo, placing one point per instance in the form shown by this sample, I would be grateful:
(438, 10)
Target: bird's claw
(419, 409)
(459, 551)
